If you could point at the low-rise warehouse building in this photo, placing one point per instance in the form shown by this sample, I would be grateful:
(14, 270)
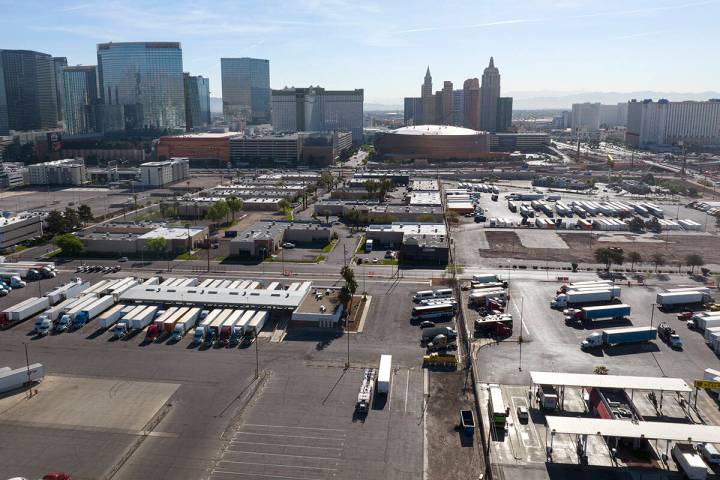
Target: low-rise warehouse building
(320, 308)
(197, 208)
(132, 239)
(159, 174)
(428, 199)
(265, 238)
(416, 242)
(21, 227)
(369, 212)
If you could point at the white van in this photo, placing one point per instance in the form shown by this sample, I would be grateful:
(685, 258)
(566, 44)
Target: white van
(423, 295)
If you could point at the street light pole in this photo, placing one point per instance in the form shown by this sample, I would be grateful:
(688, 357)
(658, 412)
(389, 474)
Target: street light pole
(652, 313)
(520, 339)
(257, 358)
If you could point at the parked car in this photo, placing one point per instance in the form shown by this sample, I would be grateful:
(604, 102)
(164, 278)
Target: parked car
(288, 245)
(522, 414)
(427, 324)
(122, 259)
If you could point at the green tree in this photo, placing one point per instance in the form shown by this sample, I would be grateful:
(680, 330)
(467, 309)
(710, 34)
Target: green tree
(156, 245)
(636, 225)
(326, 179)
(72, 219)
(85, 213)
(633, 258)
(55, 222)
(217, 211)
(452, 216)
(653, 225)
(694, 260)
(608, 256)
(69, 244)
(384, 186)
(371, 186)
(657, 259)
(345, 296)
(283, 206)
(234, 205)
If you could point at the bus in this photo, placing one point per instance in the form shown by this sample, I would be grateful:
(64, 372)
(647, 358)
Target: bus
(433, 311)
(496, 406)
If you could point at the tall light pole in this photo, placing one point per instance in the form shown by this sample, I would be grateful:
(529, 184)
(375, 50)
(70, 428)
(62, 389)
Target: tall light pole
(652, 313)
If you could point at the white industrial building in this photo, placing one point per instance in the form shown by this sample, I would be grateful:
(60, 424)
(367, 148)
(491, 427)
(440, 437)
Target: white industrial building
(664, 123)
(69, 171)
(17, 229)
(159, 174)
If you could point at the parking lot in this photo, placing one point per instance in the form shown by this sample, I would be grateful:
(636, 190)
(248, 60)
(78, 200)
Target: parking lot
(202, 402)
(549, 344)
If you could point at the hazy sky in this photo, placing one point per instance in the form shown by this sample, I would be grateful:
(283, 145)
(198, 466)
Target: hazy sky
(384, 46)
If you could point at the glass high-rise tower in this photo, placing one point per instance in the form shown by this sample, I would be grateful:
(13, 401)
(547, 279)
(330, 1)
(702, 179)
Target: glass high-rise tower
(246, 89)
(28, 93)
(197, 101)
(80, 98)
(146, 78)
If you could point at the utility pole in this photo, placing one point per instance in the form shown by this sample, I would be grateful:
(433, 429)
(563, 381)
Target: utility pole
(257, 358)
(520, 339)
(208, 253)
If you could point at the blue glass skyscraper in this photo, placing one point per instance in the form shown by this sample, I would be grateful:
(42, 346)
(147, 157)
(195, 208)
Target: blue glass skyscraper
(246, 89)
(146, 78)
(80, 97)
(197, 101)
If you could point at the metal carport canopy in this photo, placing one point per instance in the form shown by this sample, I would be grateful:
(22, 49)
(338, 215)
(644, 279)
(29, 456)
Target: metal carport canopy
(659, 384)
(679, 432)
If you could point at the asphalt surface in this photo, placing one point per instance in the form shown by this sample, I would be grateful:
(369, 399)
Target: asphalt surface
(303, 384)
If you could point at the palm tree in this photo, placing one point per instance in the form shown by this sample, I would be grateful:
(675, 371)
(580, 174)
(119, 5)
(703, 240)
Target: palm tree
(633, 258)
(234, 205)
(658, 259)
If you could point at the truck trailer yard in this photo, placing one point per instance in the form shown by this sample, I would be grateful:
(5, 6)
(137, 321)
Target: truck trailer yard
(175, 408)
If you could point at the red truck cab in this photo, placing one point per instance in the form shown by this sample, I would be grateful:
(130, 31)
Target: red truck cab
(153, 332)
(225, 334)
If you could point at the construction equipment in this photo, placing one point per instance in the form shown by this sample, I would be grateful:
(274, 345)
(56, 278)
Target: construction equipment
(440, 361)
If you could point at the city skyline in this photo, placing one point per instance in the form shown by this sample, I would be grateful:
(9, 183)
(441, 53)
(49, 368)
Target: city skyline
(575, 45)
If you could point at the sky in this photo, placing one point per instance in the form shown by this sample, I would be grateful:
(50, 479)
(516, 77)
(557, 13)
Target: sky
(385, 46)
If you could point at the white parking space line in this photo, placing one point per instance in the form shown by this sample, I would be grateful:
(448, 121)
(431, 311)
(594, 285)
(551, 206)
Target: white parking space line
(278, 465)
(290, 436)
(283, 445)
(407, 387)
(286, 426)
(281, 455)
(223, 472)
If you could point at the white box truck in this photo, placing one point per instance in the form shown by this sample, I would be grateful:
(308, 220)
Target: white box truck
(384, 374)
(585, 297)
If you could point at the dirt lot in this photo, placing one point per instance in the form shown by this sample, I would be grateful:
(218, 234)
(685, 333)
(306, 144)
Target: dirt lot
(452, 455)
(504, 244)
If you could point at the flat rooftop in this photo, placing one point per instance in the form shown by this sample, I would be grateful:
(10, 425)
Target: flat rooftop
(201, 136)
(425, 185)
(610, 381)
(411, 228)
(425, 198)
(173, 233)
(318, 297)
(679, 432)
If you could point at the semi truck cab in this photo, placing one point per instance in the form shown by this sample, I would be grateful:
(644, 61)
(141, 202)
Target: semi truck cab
(43, 325)
(198, 336)
(593, 340)
(64, 323)
(121, 329)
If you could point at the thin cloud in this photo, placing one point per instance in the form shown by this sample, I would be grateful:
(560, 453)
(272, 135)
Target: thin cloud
(474, 25)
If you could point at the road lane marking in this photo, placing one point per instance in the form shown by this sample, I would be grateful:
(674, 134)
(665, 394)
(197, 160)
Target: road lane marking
(407, 387)
(284, 445)
(281, 455)
(303, 428)
(225, 472)
(291, 436)
(278, 465)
